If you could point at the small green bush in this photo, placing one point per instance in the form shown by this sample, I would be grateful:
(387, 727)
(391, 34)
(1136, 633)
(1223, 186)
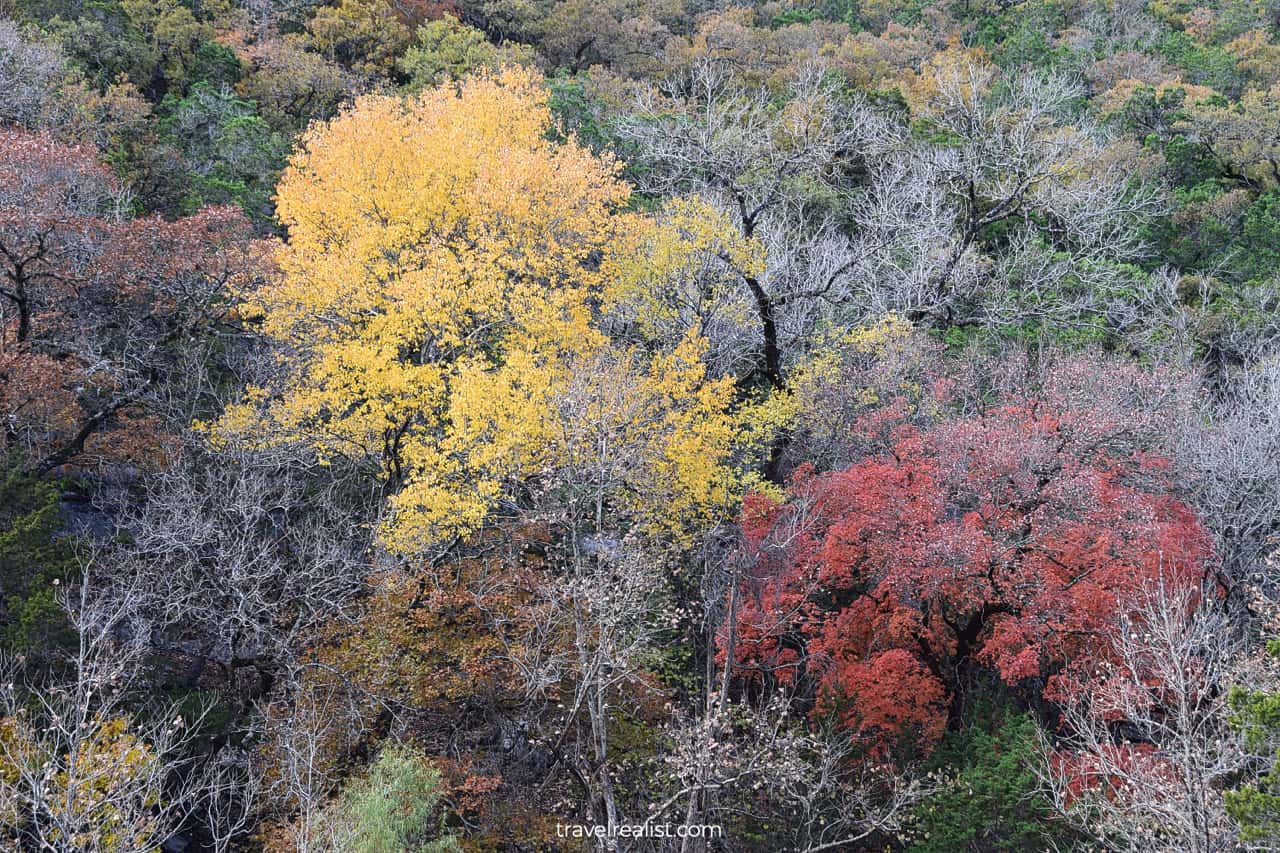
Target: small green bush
(394, 808)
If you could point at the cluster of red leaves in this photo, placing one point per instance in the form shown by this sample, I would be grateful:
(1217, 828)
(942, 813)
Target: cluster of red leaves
(1092, 775)
(1008, 541)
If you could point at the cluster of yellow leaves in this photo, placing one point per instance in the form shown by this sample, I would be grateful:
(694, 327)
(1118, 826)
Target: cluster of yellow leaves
(435, 309)
(886, 363)
(880, 60)
(890, 338)
(12, 749)
(363, 35)
(1258, 56)
(652, 433)
(952, 83)
(1245, 134)
(686, 264)
(1111, 102)
(99, 794)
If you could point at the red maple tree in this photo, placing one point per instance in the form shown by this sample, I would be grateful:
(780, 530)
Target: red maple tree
(1002, 543)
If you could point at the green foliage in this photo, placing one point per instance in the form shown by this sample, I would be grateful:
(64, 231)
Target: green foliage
(175, 34)
(1213, 232)
(988, 798)
(362, 35)
(1148, 112)
(393, 808)
(1194, 238)
(1206, 65)
(1022, 36)
(928, 131)
(1155, 118)
(103, 43)
(215, 64)
(230, 154)
(35, 558)
(841, 11)
(1261, 237)
(675, 663)
(41, 12)
(1257, 807)
(795, 16)
(579, 113)
(1189, 164)
(445, 50)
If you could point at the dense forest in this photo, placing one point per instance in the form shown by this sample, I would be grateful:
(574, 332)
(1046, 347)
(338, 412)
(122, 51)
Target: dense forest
(639, 425)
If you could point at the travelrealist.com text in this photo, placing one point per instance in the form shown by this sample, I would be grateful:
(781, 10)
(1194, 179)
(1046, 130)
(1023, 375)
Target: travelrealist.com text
(639, 830)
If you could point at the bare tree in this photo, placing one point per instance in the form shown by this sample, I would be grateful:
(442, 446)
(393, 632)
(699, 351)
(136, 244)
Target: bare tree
(89, 765)
(1230, 450)
(30, 74)
(233, 554)
(308, 722)
(605, 592)
(1006, 157)
(860, 217)
(734, 761)
(1147, 750)
(771, 170)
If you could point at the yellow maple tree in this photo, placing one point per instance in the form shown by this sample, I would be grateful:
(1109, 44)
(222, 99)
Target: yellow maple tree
(437, 295)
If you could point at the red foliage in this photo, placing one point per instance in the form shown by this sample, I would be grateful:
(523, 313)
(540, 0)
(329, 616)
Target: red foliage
(96, 308)
(1006, 541)
(897, 697)
(1095, 775)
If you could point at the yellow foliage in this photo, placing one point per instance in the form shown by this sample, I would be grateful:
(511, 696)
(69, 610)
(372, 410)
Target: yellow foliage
(362, 35)
(681, 478)
(878, 61)
(1245, 135)
(892, 338)
(102, 796)
(891, 334)
(13, 752)
(669, 271)
(435, 307)
(1114, 99)
(1258, 56)
(952, 82)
